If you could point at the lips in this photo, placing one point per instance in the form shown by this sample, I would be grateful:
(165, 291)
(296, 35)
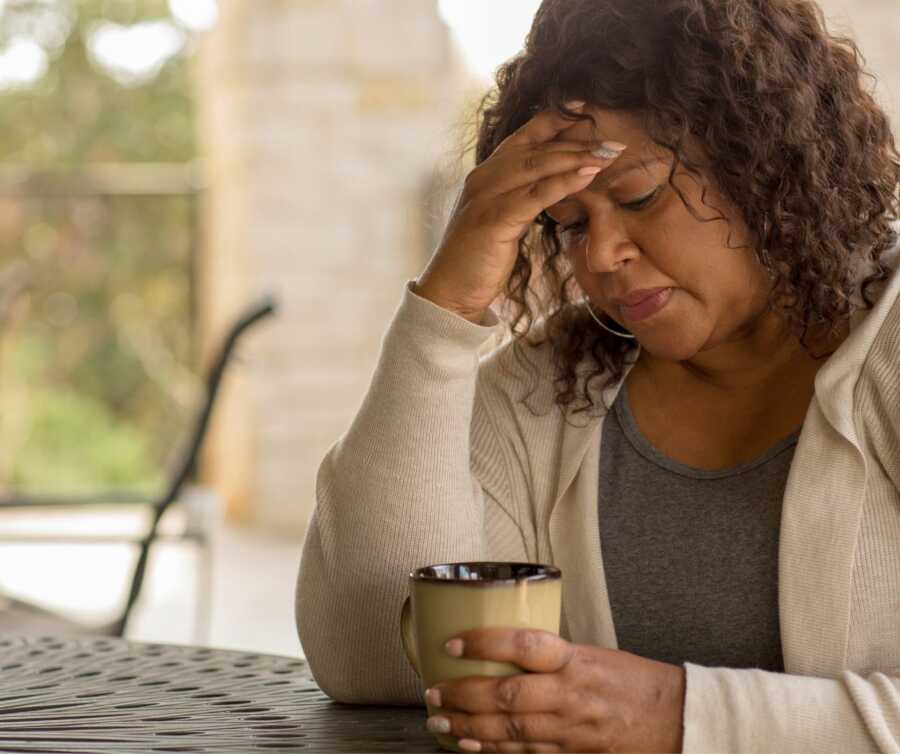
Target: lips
(636, 297)
(648, 306)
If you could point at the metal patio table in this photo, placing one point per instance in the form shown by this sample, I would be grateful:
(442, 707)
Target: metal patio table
(111, 695)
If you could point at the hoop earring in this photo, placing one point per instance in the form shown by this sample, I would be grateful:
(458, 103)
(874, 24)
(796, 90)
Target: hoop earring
(587, 303)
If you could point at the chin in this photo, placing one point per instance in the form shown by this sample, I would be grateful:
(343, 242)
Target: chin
(670, 346)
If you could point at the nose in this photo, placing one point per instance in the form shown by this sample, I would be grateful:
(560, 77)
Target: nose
(608, 248)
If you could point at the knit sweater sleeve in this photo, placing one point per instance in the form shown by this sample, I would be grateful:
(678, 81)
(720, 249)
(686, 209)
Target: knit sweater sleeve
(420, 477)
(752, 710)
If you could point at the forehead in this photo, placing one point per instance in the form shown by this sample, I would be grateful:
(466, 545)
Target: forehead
(626, 128)
(609, 125)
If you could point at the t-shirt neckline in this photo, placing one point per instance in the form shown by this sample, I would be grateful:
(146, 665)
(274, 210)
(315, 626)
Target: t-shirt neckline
(648, 451)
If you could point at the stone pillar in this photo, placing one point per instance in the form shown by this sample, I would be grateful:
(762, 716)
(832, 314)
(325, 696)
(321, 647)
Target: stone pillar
(321, 123)
(875, 26)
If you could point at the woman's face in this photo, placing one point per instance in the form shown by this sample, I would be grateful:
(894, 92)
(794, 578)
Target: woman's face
(632, 232)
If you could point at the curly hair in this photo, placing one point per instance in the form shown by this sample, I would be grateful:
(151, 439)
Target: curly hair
(819, 181)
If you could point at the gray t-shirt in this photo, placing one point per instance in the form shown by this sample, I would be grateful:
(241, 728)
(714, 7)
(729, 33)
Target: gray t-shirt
(691, 556)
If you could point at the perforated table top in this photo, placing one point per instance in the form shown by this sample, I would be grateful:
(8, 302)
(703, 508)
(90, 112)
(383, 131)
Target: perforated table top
(111, 695)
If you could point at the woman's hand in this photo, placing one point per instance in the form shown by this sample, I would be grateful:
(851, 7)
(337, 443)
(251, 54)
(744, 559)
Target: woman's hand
(528, 172)
(576, 697)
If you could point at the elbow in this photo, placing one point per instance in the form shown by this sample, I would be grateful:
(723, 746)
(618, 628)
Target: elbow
(347, 653)
(348, 671)
(342, 687)
(339, 678)
(336, 668)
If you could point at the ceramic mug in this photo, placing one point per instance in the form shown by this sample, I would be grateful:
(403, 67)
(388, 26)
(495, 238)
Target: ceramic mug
(449, 598)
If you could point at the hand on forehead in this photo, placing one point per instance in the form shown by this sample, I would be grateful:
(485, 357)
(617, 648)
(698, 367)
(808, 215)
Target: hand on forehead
(606, 125)
(642, 154)
(626, 128)
(619, 126)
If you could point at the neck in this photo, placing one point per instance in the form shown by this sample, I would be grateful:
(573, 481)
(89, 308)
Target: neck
(763, 353)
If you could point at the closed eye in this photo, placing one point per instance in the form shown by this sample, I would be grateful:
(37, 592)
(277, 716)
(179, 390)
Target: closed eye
(635, 206)
(639, 204)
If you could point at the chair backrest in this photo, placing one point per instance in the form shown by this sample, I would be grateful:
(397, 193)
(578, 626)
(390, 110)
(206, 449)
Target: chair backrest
(259, 311)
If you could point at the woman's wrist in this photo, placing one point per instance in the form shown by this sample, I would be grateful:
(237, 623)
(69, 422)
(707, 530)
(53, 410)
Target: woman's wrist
(424, 290)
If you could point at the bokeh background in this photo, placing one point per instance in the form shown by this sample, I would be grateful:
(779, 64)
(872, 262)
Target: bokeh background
(163, 163)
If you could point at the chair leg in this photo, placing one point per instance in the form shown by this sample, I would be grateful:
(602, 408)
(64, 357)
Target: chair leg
(204, 508)
(204, 588)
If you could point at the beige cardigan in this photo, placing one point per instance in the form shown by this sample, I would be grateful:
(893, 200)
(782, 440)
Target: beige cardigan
(442, 463)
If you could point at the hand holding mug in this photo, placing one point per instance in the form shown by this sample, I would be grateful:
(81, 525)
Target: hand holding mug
(449, 598)
(574, 697)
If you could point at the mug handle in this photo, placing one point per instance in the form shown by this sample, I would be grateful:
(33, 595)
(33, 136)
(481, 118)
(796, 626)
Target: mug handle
(406, 634)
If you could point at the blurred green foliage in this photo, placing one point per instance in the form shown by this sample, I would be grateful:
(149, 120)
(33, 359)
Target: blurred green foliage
(77, 113)
(96, 357)
(75, 439)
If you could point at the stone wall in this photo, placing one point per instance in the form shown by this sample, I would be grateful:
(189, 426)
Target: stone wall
(324, 125)
(875, 26)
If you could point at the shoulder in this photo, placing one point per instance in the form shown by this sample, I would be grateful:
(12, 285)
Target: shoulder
(879, 377)
(883, 359)
(891, 257)
(888, 299)
(877, 392)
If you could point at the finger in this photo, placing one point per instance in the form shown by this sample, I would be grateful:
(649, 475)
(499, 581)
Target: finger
(562, 145)
(516, 746)
(521, 694)
(521, 206)
(530, 649)
(558, 145)
(544, 126)
(497, 728)
(520, 168)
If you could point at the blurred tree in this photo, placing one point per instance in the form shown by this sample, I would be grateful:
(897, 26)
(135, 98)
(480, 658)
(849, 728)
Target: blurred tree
(77, 112)
(98, 349)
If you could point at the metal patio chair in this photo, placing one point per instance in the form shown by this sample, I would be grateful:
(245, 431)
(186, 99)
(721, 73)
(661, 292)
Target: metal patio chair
(20, 617)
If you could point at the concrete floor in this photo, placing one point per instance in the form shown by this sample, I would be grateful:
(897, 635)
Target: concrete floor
(251, 605)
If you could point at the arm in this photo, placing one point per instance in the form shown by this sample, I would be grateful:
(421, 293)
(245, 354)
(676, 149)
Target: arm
(750, 710)
(397, 492)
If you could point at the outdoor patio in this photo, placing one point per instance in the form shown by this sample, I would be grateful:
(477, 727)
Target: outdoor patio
(251, 605)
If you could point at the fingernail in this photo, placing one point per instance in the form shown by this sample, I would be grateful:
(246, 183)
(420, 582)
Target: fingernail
(575, 104)
(433, 697)
(609, 149)
(589, 171)
(438, 724)
(454, 647)
(467, 744)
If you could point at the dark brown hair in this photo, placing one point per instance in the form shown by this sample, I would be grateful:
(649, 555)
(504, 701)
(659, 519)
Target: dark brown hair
(819, 180)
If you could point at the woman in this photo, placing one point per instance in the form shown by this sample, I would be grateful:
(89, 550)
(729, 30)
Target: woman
(698, 416)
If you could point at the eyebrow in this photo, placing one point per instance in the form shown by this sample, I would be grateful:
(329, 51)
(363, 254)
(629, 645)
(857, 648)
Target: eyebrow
(608, 176)
(605, 177)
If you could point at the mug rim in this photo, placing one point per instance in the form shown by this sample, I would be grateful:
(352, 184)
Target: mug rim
(546, 573)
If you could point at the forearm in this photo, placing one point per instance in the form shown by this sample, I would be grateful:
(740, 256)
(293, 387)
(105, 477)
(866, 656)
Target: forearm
(752, 710)
(396, 492)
